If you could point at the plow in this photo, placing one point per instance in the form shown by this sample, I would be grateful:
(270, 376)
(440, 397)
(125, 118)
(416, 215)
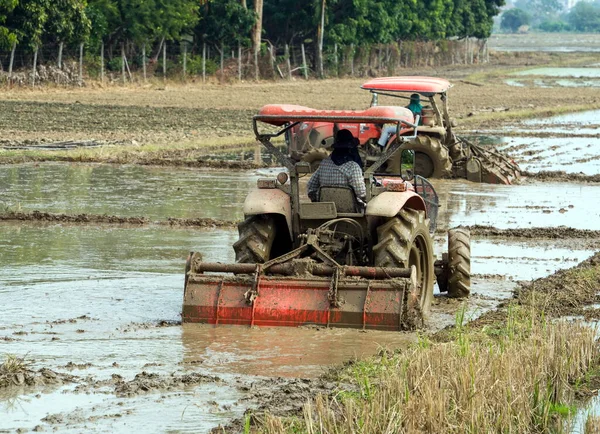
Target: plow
(334, 262)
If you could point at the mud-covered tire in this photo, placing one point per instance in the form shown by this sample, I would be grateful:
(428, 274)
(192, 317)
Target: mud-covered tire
(257, 234)
(404, 241)
(459, 263)
(432, 159)
(314, 157)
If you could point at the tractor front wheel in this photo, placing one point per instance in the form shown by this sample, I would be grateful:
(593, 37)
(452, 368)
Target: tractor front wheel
(405, 241)
(459, 263)
(257, 234)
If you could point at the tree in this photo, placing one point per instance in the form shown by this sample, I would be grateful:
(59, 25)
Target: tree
(36, 20)
(225, 21)
(514, 18)
(540, 10)
(7, 35)
(585, 17)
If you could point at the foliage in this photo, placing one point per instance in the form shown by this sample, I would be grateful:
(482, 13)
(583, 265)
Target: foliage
(225, 21)
(585, 17)
(540, 10)
(514, 18)
(553, 26)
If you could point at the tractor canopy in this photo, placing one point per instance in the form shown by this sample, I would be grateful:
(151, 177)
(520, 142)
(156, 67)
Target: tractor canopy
(426, 86)
(281, 114)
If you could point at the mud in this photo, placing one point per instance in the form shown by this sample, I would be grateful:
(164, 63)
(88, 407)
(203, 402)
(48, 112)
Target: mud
(45, 217)
(562, 176)
(31, 378)
(561, 232)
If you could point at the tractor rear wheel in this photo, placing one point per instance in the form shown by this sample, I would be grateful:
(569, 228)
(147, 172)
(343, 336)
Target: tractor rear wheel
(459, 262)
(257, 234)
(404, 241)
(432, 159)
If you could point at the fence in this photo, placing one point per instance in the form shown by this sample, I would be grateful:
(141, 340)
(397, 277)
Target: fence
(63, 64)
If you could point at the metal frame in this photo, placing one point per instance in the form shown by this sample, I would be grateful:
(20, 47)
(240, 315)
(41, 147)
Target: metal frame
(294, 120)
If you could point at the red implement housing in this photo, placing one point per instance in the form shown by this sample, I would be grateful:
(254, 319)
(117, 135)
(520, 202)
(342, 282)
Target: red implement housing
(381, 304)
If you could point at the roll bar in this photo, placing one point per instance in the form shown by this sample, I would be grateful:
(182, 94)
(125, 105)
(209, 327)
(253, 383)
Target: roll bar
(293, 120)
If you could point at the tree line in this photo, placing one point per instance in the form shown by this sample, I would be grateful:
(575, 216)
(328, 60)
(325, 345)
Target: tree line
(552, 16)
(123, 25)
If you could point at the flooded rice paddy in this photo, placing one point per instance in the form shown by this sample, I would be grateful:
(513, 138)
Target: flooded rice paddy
(102, 302)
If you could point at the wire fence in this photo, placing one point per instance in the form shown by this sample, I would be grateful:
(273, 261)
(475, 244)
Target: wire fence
(74, 65)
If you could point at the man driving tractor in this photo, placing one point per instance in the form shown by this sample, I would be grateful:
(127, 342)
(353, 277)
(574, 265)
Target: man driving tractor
(342, 167)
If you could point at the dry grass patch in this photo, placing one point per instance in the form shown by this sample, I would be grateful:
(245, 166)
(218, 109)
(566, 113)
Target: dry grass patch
(516, 379)
(514, 370)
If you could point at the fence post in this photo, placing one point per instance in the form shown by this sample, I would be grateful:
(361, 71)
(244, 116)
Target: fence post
(164, 60)
(123, 63)
(335, 59)
(304, 67)
(239, 61)
(144, 61)
(352, 60)
(288, 61)
(256, 69)
(12, 59)
(102, 62)
(60, 51)
(81, 64)
(204, 63)
(35, 55)
(222, 61)
(184, 60)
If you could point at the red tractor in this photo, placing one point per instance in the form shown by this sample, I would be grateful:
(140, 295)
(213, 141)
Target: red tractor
(332, 262)
(439, 152)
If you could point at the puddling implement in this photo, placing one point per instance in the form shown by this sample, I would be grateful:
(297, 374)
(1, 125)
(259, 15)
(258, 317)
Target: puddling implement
(333, 262)
(301, 293)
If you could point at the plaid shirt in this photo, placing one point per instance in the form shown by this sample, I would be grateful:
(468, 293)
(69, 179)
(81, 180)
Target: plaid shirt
(329, 173)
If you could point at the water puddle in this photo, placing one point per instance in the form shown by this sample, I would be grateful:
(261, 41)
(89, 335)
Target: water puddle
(153, 192)
(562, 72)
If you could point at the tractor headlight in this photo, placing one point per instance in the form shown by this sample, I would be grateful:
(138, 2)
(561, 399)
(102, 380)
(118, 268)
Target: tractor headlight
(266, 183)
(282, 178)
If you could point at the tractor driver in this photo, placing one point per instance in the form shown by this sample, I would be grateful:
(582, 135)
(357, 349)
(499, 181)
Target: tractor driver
(415, 107)
(342, 167)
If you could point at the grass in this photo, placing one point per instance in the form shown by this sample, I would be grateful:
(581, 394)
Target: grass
(13, 370)
(518, 371)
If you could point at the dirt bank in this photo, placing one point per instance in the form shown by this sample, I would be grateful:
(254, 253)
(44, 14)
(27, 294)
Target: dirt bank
(561, 176)
(46, 217)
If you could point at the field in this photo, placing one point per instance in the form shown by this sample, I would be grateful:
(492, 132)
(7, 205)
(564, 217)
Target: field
(92, 259)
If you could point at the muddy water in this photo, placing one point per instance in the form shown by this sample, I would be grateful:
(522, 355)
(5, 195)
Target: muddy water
(124, 190)
(107, 299)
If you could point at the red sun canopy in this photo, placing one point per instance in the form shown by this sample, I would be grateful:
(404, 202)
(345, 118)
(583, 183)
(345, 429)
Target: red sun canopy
(279, 114)
(427, 86)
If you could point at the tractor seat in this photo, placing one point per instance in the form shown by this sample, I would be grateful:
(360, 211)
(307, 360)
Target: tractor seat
(344, 198)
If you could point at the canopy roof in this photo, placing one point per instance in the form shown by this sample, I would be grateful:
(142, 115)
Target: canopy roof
(427, 86)
(279, 114)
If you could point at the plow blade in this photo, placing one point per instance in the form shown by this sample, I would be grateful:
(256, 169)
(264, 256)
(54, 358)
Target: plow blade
(299, 300)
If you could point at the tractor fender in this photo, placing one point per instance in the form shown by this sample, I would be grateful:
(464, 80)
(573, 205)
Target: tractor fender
(269, 201)
(390, 203)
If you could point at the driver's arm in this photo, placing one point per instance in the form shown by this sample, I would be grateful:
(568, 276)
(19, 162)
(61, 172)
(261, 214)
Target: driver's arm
(313, 186)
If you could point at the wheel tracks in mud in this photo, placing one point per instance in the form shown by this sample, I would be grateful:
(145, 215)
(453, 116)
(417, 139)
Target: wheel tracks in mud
(561, 176)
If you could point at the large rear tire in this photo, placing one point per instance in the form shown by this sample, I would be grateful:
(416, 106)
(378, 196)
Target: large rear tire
(432, 159)
(404, 241)
(257, 234)
(459, 263)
